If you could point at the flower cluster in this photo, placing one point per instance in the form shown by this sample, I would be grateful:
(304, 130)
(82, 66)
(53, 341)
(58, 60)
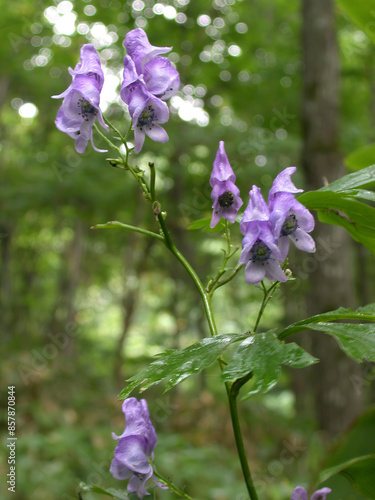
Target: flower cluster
(149, 80)
(80, 106)
(267, 229)
(134, 452)
(299, 493)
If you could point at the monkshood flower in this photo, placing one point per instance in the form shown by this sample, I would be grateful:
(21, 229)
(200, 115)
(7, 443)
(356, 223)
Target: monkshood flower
(260, 252)
(225, 194)
(80, 106)
(147, 111)
(134, 452)
(299, 493)
(140, 49)
(289, 219)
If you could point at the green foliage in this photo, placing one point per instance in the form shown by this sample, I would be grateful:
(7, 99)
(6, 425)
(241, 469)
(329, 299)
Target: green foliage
(360, 472)
(263, 355)
(366, 313)
(361, 158)
(204, 225)
(178, 365)
(338, 204)
(362, 12)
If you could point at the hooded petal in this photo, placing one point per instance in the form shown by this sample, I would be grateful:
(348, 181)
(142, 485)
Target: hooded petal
(321, 494)
(222, 171)
(131, 451)
(256, 210)
(89, 65)
(299, 493)
(283, 184)
(161, 78)
(130, 77)
(137, 418)
(140, 50)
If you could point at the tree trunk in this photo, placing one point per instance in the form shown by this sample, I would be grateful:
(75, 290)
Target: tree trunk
(337, 401)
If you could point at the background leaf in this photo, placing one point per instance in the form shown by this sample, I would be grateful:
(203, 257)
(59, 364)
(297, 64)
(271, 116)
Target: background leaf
(362, 13)
(111, 492)
(177, 365)
(361, 158)
(360, 472)
(366, 313)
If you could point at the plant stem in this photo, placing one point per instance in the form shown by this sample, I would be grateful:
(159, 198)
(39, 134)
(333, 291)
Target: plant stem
(115, 223)
(232, 396)
(172, 486)
(266, 298)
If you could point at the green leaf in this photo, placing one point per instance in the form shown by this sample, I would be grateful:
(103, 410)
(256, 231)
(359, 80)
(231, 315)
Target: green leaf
(204, 225)
(177, 365)
(366, 313)
(360, 472)
(365, 178)
(110, 492)
(362, 13)
(343, 209)
(356, 340)
(263, 354)
(361, 158)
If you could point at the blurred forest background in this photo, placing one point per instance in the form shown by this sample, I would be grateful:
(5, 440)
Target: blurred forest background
(282, 83)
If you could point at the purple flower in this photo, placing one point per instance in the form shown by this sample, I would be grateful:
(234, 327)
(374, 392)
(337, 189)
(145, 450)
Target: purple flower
(147, 111)
(134, 452)
(299, 493)
(260, 252)
(140, 50)
(225, 194)
(289, 219)
(80, 106)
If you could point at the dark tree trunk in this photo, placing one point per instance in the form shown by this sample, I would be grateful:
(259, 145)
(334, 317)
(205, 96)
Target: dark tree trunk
(337, 401)
(5, 242)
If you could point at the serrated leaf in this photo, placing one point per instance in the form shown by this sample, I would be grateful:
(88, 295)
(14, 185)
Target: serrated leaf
(263, 354)
(204, 225)
(177, 365)
(360, 472)
(366, 313)
(110, 492)
(356, 340)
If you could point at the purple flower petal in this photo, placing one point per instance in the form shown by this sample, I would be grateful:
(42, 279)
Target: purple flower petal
(222, 171)
(299, 493)
(119, 470)
(140, 50)
(131, 451)
(283, 184)
(274, 271)
(161, 78)
(137, 484)
(256, 210)
(321, 494)
(130, 78)
(254, 273)
(303, 241)
(226, 201)
(89, 65)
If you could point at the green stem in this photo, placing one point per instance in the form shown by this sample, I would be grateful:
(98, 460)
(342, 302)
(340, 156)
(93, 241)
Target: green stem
(232, 396)
(172, 486)
(136, 229)
(266, 298)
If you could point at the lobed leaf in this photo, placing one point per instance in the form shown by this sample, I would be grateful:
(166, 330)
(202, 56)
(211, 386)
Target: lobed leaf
(177, 365)
(263, 354)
